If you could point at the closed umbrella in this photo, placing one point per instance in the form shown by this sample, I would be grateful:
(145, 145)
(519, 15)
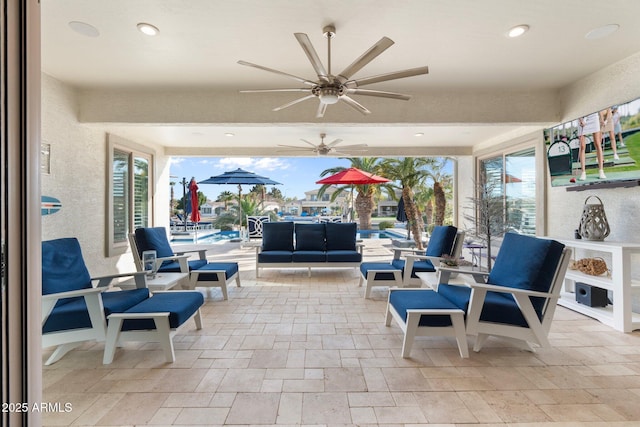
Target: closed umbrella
(402, 216)
(352, 176)
(193, 197)
(239, 177)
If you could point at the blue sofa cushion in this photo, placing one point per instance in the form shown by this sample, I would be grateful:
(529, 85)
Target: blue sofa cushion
(526, 262)
(63, 268)
(365, 267)
(402, 301)
(341, 236)
(277, 236)
(230, 268)
(309, 256)
(421, 266)
(174, 266)
(310, 237)
(153, 239)
(497, 308)
(441, 240)
(344, 256)
(275, 256)
(72, 313)
(180, 305)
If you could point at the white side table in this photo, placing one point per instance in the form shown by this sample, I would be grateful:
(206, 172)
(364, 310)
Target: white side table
(161, 282)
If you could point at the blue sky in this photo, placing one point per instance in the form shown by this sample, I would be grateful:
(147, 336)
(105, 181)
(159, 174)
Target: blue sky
(297, 174)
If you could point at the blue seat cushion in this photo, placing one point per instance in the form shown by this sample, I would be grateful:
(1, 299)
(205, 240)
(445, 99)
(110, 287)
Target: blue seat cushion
(309, 256)
(365, 267)
(71, 313)
(63, 267)
(277, 236)
(497, 308)
(419, 266)
(402, 301)
(153, 239)
(441, 240)
(180, 305)
(229, 268)
(174, 266)
(310, 237)
(341, 236)
(344, 256)
(275, 256)
(526, 262)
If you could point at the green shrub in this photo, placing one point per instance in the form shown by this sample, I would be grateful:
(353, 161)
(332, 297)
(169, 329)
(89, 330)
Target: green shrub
(385, 224)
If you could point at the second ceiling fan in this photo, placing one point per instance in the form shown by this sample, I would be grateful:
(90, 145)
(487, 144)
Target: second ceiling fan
(330, 88)
(323, 149)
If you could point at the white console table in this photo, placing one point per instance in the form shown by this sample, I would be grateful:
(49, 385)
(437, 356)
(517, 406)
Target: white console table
(619, 255)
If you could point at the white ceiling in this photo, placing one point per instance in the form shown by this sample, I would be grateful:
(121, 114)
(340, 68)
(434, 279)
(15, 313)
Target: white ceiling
(462, 41)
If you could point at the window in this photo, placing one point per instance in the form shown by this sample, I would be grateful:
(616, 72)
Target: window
(129, 195)
(510, 179)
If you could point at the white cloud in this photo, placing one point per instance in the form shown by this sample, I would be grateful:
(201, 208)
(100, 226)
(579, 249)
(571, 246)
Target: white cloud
(253, 164)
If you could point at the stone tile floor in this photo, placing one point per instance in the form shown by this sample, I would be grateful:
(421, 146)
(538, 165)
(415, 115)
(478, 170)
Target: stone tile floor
(286, 349)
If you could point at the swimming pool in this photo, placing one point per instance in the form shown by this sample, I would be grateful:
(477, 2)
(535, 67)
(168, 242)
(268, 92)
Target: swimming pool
(206, 238)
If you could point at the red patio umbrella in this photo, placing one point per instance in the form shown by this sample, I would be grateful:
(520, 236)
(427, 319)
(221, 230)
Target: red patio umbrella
(193, 193)
(352, 176)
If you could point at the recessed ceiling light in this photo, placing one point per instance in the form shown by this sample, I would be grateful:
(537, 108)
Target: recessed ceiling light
(517, 31)
(418, 134)
(601, 32)
(229, 134)
(84, 29)
(148, 29)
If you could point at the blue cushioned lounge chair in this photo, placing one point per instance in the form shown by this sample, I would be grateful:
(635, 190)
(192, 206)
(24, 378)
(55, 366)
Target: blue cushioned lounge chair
(520, 294)
(202, 273)
(444, 240)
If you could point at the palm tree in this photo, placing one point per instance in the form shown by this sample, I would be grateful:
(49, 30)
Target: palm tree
(226, 197)
(411, 173)
(366, 194)
(441, 182)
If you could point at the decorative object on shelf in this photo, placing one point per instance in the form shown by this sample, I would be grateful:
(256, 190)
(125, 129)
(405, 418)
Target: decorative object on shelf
(593, 223)
(592, 266)
(449, 261)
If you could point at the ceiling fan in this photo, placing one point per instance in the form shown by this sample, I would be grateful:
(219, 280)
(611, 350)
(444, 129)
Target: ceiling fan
(323, 149)
(330, 88)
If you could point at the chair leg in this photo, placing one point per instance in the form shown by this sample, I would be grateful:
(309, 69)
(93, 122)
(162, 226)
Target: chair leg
(480, 340)
(223, 288)
(198, 320)
(60, 351)
(238, 279)
(411, 328)
(113, 333)
(457, 320)
(163, 332)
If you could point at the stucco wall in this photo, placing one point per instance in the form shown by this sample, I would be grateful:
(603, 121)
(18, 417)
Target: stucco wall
(77, 179)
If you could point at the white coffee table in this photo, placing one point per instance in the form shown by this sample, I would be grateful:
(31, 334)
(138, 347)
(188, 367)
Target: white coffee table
(161, 282)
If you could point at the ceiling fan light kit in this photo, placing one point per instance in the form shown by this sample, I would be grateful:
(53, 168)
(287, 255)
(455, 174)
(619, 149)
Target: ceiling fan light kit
(331, 89)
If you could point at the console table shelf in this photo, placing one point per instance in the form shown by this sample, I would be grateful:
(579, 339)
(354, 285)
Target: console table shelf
(620, 286)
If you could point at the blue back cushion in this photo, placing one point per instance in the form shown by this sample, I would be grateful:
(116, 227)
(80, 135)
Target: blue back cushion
(277, 236)
(441, 240)
(310, 237)
(153, 238)
(341, 236)
(63, 267)
(526, 262)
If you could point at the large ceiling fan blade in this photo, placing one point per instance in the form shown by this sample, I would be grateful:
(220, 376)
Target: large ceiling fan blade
(282, 73)
(333, 143)
(355, 147)
(309, 143)
(302, 89)
(371, 54)
(354, 104)
(295, 147)
(379, 93)
(321, 110)
(311, 53)
(289, 104)
(387, 76)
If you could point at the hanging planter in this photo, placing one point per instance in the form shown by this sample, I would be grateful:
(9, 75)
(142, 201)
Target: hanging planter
(593, 223)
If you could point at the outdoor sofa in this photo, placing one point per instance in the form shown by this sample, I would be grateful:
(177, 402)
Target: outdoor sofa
(293, 245)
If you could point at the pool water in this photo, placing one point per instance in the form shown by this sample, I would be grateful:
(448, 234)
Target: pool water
(207, 238)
